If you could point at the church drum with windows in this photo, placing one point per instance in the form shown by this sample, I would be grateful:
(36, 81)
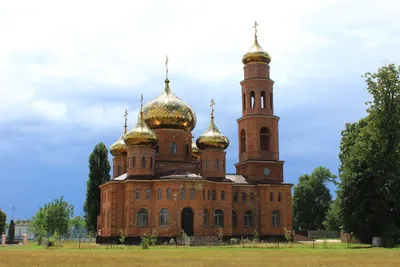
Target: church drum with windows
(164, 183)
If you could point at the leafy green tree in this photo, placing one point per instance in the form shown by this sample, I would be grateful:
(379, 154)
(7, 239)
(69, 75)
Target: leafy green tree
(332, 220)
(311, 199)
(99, 173)
(78, 223)
(3, 218)
(52, 218)
(369, 195)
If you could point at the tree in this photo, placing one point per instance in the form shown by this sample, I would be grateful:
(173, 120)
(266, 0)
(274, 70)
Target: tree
(3, 218)
(311, 199)
(332, 220)
(369, 192)
(78, 223)
(52, 218)
(99, 173)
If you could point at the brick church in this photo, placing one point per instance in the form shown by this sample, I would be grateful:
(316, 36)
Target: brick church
(164, 182)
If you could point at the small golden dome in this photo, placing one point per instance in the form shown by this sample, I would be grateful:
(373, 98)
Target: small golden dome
(195, 150)
(118, 148)
(212, 138)
(256, 54)
(141, 134)
(169, 111)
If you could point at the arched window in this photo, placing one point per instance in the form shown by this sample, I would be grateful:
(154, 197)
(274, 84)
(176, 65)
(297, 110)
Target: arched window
(248, 219)
(142, 218)
(223, 165)
(174, 148)
(205, 218)
(119, 170)
(244, 101)
(214, 195)
(147, 194)
(219, 218)
(251, 198)
(276, 218)
(143, 161)
(244, 198)
(133, 162)
(264, 139)
(252, 99)
(159, 194)
(235, 197)
(217, 164)
(262, 99)
(234, 219)
(206, 163)
(204, 194)
(187, 150)
(164, 218)
(192, 194)
(271, 196)
(151, 162)
(157, 149)
(271, 102)
(183, 193)
(222, 195)
(242, 141)
(208, 194)
(279, 197)
(168, 193)
(137, 194)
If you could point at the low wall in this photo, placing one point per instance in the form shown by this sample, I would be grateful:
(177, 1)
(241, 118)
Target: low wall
(323, 234)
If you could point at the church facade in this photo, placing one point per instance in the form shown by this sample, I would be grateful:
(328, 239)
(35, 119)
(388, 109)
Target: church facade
(164, 182)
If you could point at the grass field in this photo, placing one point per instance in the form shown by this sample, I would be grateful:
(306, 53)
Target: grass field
(70, 256)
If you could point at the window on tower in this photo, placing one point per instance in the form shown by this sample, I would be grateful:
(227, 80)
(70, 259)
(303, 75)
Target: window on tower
(262, 99)
(264, 139)
(242, 141)
(119, 170)
(217, 164)
(133, 162)
(151, 162)
(271, 102)
(174, 148)
(252, 99)
(187, 150)
(143, 161)
(244, 101)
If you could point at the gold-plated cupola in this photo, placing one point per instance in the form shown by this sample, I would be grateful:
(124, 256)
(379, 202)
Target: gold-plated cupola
(212, 138)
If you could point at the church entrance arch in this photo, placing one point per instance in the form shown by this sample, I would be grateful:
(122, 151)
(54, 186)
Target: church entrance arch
(187, 221)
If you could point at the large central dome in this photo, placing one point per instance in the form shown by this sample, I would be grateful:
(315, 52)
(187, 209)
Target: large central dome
(169, 111)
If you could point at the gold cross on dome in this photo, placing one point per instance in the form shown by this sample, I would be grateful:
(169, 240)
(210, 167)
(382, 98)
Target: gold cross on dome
(212, 107)
(166, 66)
(126, 117)
(141, 101)
(255, 28)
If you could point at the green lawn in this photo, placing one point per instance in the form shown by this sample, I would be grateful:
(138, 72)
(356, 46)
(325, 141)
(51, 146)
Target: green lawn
(299, 255)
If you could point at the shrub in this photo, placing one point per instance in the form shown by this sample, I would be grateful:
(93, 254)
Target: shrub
(256, 236)
(153, 239)
(186, 239)
(145, 241)
(220, 236)
(172, 241)
(122, 236)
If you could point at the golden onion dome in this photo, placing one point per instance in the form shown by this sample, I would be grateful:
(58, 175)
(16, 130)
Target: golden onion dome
(256, 53)
(169, 111)
(119, 147)
(195, 150)
(141, 134)
(212, 138)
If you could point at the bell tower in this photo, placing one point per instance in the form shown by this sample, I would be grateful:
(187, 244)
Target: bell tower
(258, 126)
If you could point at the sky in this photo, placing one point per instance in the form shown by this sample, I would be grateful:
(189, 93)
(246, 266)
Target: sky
(69, 69)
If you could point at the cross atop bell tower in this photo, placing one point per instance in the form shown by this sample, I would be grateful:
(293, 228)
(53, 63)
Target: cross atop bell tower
(258, 126)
